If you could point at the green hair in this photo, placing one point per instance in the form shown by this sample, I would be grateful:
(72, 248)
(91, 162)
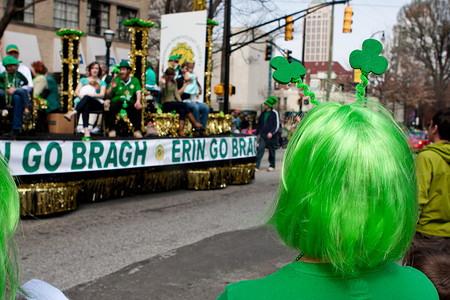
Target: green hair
(9, 217)
(347, 192)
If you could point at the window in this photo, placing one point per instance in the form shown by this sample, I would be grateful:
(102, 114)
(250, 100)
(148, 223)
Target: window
(98, 17)
(26, 16)
(124, 14)
(66, 14)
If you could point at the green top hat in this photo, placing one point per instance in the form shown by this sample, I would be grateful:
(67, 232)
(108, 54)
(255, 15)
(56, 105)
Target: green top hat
(10, 60)
(271, 101)
(12, 48)
(124, 64)
(174, 57)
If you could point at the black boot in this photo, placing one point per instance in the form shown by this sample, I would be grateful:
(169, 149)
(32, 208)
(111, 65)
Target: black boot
(12, 134)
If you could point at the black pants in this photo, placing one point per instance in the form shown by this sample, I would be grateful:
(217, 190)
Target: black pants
(86, 105)
(134, 115)
(181, 108)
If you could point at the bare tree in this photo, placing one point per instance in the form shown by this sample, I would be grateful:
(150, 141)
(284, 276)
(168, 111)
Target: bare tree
(11, 9)
(422, 51)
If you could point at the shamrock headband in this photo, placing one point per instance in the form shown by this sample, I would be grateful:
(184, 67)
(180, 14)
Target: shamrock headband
(286, 72)
(368, 60)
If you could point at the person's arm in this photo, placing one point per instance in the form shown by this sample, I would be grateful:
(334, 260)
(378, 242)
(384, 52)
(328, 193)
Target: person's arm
(40, 84)
(138, 103)
(199, 86)
(102, 93)
(112, 86)
(77, 90)
(182, 87)
(177, 95)
(424, 174)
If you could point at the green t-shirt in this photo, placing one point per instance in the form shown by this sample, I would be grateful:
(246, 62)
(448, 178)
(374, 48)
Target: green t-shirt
(12, 80)
(126, 89)
(306, 281)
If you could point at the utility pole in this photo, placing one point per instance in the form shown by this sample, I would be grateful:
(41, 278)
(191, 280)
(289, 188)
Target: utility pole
(269, 91)
(225, 68)
(330, 53)
(304, 41)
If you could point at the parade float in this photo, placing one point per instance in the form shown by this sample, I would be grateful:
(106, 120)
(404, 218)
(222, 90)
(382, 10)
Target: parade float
(57, 172)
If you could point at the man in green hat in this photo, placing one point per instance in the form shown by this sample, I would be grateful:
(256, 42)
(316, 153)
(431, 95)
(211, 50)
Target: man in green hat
(13, 50)
(173, 63)
(12, 94)
(267, 129)
(125, 93)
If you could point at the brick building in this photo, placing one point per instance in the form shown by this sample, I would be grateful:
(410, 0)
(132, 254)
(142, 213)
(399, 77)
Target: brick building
(34, 30)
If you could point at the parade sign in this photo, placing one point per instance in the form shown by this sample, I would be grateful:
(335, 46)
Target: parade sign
(184, 34)
(46, 157)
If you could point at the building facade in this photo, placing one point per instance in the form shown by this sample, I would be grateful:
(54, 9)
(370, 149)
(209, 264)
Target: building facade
(317, 36)
(34, 30)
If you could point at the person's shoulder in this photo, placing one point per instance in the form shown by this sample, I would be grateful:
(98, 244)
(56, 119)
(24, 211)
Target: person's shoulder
(413, 282)
(84, 80)
(102, 82)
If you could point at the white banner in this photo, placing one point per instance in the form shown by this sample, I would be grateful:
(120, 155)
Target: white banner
(184, 34)
(46, 157)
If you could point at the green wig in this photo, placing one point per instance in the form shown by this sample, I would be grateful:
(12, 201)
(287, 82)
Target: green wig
(347, 192)
(9, 217)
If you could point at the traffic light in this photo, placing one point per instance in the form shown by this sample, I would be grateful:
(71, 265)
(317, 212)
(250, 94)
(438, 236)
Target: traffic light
(288, 55)
(357, 75)
(268, 52)
(348, 19)
(289, 28)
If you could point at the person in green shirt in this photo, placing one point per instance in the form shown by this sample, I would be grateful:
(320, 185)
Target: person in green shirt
(125, 93)
(12, 94)
(347, 201)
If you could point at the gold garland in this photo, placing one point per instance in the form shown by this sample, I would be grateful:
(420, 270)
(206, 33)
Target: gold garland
(49, 198)
(199, 5)
(208, 73)
(142, 55)
(70, 61)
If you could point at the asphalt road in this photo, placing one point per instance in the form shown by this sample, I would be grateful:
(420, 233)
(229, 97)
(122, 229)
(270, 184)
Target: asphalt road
(186, 244)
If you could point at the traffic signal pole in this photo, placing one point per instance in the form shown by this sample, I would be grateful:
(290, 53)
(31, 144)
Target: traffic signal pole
(226, 53)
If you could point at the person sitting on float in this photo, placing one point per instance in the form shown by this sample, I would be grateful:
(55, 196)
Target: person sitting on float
(126, 95)
(45, 86)
(89, 102)
(171, 101)
(12, 93)
(347, 201)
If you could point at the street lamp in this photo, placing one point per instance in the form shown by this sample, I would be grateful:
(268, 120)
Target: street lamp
(382, 35)
(109, 36)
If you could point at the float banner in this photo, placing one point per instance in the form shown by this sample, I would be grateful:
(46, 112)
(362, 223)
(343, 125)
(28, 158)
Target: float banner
(46, 157)
(184, 34)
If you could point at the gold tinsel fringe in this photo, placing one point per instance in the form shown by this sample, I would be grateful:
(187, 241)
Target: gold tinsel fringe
(167, 124)
(49, 198)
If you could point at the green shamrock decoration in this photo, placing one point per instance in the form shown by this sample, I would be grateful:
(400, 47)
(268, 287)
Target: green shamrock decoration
(368, 59)
(285, 71)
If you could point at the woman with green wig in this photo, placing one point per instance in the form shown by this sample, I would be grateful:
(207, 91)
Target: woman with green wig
(9, 217)
(347, 202)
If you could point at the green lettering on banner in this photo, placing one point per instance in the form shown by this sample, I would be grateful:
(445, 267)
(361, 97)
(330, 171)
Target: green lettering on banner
(193, 151)
(140, 152)
(234, 148)
(125, 163)
(36, 159)
(111, 157)
(175, 150)
(48, 154)
(7, 152)
(201, 149)
(241, 146)
(213, 149)
(250, 147)
(78, 152)
(95, 155)
(186, 149)
(225, 152)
